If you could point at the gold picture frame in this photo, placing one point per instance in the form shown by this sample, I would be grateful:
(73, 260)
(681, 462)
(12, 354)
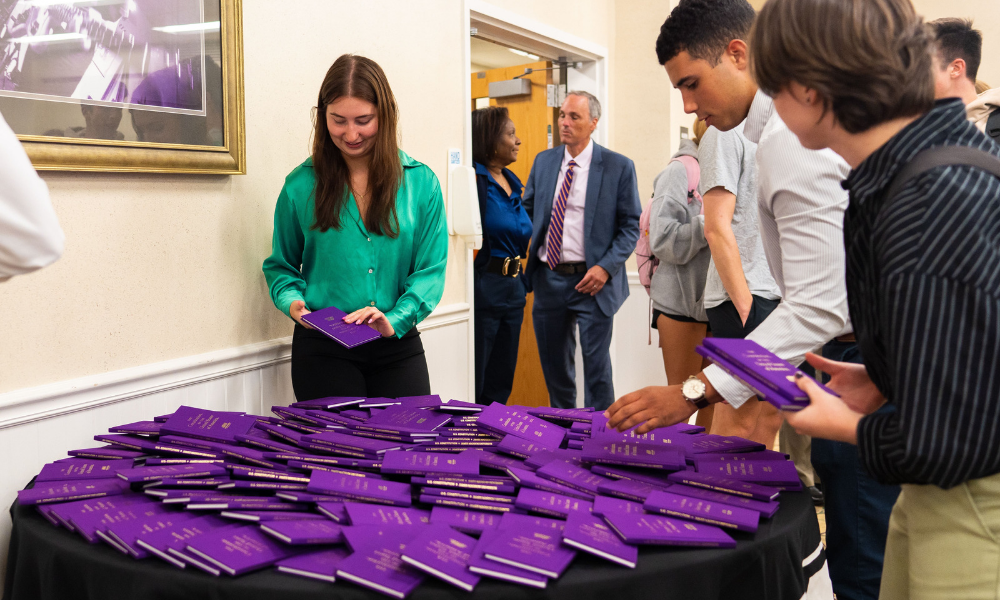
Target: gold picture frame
(50, 153)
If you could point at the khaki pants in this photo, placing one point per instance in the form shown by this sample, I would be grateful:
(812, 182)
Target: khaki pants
(799, 447)
(944, 543)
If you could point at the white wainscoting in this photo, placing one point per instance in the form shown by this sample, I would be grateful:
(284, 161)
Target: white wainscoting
(39, 425)
(637, 364)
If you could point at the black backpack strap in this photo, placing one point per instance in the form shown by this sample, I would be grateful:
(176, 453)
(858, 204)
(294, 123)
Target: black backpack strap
(993, 124)
(944, 156)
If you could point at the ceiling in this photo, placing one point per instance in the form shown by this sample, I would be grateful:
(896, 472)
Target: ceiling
(489, 55)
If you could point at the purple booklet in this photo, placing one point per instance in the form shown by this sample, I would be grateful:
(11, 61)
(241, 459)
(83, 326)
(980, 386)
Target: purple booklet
(496, 461)
(309, 467)
(91, 524)
(544, 457)
(335, 511)
(725, 485)
(657, 530)
(605, 505)
(267, 444)
(562, 415)
(398, 462)
(550, 504)
(360, 489)
(532, 548)
(592, 535)
(240, 550)
(467, 521)
(459, 407)
(467, 495)
(330, 402)
(321, 565)
(128, 533)
(765, 392)
(657, 479)
(465, 503)
(403, 418)
(212, 425)
(243, 485)
(503, 420)
(337, 441)
(518, 446)
(519, 521)
(628, 489)
(379, 565)
(75, 469)
(65, 491)
(330, 322)
(259, 473)
(176, 536)
(304, 532)
(259, 503)
(481, 483)
(646, 455)
(180, 482)
(702, 511)
(737, 456)
(105, 453)
(529, 479)
(263, 516)
(65, 512)
(760, 363)
(572, 476)
(138, 428)
(374, 514)
(481, 565)
(140, 474)
(317, 459)
(766, 509)
(444, 553)
(764, 472)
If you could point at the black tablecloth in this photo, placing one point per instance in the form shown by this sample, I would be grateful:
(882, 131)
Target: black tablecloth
(49, 563)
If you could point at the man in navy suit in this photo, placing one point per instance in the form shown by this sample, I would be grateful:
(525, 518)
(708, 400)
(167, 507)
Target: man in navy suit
(584, 207)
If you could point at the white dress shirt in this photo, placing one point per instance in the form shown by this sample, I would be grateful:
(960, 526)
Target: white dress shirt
(30, 236)
(802, 209)
(572, 242)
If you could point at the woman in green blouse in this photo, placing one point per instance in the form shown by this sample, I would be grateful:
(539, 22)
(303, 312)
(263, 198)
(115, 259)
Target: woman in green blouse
(360, 226)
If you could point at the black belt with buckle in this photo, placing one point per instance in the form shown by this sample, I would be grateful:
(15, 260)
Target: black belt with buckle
(508, 266)
(570, 268)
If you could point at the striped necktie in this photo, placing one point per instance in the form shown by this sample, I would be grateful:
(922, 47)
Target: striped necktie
(554, 239)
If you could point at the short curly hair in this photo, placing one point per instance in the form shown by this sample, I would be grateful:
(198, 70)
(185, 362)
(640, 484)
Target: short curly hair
(868, 60)
(704, 29)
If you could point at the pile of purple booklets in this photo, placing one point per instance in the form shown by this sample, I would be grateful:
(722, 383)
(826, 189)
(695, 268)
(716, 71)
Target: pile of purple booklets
(384, 493)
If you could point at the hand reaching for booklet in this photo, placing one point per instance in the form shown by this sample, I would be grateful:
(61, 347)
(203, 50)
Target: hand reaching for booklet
(827, 416)
(851, 381)
(298, 310)
(372, 317)
(654, 406)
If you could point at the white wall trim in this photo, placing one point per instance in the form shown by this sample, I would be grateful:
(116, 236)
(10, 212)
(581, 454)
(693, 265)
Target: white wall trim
(28, 405)
(536, 30)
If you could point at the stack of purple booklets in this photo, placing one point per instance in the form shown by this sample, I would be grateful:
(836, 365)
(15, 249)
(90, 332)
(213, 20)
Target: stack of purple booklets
(394, 493)
(772, 378)
(330, 322)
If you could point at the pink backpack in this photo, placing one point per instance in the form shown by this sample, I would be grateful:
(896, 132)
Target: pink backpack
(644, 255)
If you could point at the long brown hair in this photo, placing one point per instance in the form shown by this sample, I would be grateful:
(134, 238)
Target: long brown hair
(357, 77)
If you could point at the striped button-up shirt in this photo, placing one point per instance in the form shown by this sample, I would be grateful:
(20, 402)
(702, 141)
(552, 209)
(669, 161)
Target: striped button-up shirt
(923, 283)
(801, 206)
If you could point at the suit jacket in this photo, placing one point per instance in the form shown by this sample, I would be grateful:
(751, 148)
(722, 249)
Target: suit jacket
(610, 218)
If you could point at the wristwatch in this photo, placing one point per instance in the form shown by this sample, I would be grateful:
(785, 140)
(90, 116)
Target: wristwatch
(693, 390)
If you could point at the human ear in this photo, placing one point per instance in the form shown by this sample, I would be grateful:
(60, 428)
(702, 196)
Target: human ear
(957, 68)
(738, 52)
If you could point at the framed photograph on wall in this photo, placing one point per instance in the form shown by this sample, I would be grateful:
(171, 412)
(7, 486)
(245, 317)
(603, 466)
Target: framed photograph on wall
(152, 86)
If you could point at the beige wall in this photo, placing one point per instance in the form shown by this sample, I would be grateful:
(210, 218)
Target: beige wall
(162, 267)
(986, 17)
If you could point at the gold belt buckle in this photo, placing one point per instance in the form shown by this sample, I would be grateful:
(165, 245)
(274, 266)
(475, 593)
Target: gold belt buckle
(506, 264)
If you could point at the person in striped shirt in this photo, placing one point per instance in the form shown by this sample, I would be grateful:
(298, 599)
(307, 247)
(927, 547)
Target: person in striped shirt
(923, 281)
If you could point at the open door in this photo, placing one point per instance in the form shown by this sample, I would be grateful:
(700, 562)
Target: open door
(535, 123)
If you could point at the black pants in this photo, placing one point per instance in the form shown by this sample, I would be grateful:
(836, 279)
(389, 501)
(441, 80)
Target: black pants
(726, 322)
(384, 368)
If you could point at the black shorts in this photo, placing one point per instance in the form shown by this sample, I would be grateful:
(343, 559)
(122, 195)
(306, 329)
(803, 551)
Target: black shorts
(726, 321)
(680, 318)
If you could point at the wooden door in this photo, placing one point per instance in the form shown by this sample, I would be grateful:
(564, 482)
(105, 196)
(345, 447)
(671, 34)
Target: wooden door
(535, 124)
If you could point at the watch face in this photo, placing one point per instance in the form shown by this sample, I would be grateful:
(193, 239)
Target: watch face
(693, 389)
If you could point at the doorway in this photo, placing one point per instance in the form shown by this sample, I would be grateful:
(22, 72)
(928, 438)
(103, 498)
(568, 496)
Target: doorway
(505, 47)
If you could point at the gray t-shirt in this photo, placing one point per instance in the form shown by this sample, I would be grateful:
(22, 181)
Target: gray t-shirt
(728, 160)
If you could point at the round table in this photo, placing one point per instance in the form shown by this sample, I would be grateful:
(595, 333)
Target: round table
(49, 563)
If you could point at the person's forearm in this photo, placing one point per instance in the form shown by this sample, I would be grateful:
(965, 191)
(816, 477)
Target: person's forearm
(726, 255)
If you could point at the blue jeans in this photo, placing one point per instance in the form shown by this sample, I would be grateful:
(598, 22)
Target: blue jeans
(557, 308)
(857, 507)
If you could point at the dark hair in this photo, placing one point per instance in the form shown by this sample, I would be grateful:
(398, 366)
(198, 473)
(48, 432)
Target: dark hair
(703, 28)
(868, 60)
(956, 38)
(487, 129)
(357, 77)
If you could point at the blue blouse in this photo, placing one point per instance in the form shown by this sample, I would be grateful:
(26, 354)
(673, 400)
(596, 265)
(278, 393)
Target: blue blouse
(506, 223)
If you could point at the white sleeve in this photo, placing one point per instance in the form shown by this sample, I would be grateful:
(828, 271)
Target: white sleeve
(30, 236)
(807, 204)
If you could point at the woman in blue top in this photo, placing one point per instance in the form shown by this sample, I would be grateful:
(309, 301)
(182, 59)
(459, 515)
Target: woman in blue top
(500, 294)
